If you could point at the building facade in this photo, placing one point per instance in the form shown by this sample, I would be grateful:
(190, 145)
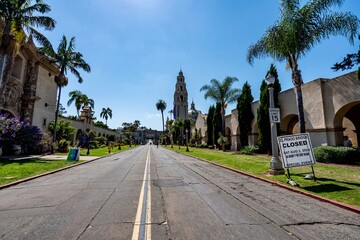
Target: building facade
(331, 108)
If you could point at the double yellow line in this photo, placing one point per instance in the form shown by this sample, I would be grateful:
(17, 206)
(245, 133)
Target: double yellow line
(142, 225)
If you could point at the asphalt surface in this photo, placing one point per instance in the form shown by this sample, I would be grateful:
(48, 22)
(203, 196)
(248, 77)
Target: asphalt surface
(155, 193)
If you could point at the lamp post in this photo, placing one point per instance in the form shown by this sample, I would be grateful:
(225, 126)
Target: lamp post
(275, 163)
(187, 145)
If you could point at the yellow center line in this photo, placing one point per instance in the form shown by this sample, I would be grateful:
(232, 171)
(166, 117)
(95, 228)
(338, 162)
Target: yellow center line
(139, 231)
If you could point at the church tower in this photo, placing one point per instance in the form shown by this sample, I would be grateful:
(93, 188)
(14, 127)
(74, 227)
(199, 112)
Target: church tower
(180, 98)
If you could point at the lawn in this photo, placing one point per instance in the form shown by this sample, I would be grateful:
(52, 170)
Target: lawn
(13, 170)
(338, 182)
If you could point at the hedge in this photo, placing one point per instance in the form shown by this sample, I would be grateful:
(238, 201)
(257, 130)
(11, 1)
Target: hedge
(341, 155)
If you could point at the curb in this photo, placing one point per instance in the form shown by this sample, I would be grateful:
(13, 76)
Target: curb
(323, 199)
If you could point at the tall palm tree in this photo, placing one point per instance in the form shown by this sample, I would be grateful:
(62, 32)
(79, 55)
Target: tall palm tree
(76, 96)
(16, 16)
(297, 31)
(106, 113)
(223, 93)
(88, 101)
(68, 60)
(80, 99)
(161, 106)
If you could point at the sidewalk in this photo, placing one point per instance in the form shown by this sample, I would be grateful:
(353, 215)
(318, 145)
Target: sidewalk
(61, 157)
(48, 157)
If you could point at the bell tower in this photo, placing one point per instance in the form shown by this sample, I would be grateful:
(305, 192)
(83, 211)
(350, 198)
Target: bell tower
(180, 98)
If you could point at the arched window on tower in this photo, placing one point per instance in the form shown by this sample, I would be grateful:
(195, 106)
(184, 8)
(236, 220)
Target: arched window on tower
(181, 98)
(181, 88)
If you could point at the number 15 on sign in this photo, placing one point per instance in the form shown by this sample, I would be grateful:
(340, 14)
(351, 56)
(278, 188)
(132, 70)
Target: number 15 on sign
(274, 114)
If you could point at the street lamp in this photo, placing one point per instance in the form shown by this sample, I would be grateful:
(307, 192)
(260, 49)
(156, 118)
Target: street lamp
(275, 163)
(187, 145)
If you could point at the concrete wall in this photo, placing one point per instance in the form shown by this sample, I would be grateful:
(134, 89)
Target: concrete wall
(331, 110)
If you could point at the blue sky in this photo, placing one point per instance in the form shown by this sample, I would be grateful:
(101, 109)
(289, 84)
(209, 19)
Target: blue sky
(136, 48)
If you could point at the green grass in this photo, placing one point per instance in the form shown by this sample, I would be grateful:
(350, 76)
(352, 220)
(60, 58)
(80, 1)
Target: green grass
(11, 171)
(336, 182)
(100, 152)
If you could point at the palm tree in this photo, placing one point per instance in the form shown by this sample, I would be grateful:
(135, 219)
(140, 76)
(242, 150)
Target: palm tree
(80, 99)
(161, 106)
(76, 96)
(221, 92)
(67, 60)
(297, 31)
(106, 113)
(88, 101)
(16, 16)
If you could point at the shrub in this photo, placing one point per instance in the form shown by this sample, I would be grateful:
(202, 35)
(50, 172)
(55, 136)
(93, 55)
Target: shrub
(30, 137)
(101, 140)
(248, 150)
(9, 128)
(341, 155)
(63, 146)
(45, 145)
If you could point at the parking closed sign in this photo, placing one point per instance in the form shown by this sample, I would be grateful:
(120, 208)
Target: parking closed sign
(296, 150)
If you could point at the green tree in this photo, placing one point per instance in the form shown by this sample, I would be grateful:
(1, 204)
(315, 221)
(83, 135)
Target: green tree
(210, 126)
(76, 96)
(349, 62)
(64, 129)
(106, 113)
(171, 131)
(297, 31)
(217, 123)
(161, 106)
(62, 110)
(68, 60)
(16, 16)
(101, 124)
(245, 114)
(179, 128)
(263, 121)
(223, 93)
(80, 99)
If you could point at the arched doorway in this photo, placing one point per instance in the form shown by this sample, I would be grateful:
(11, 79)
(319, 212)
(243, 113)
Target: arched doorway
(289, 125)
(347, 123)
(228, 136)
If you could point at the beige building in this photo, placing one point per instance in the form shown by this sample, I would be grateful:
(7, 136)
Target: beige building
(331, 108)
(30, 86)
(31, 93)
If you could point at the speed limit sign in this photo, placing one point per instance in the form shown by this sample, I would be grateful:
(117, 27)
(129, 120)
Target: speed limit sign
(274, 114)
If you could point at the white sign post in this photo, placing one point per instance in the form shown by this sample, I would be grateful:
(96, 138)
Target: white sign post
(274, 114)
(296, 151)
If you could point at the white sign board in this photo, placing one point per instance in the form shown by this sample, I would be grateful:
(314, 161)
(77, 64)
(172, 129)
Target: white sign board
(274, 114)
(296, 150)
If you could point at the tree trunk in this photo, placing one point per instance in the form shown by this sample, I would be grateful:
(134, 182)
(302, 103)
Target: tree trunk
(57, 113)
(162, 115)
(222, 122)
(297, 80)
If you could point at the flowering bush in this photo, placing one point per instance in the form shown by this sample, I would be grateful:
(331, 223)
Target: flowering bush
(9, 128)
(30, 137)
(13, 131)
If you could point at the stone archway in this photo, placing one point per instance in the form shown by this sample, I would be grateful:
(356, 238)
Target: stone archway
(347, 122)
(289, 125)
(228, 136)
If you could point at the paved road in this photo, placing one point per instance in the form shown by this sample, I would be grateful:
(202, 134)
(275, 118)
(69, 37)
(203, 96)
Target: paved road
(153, 193)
